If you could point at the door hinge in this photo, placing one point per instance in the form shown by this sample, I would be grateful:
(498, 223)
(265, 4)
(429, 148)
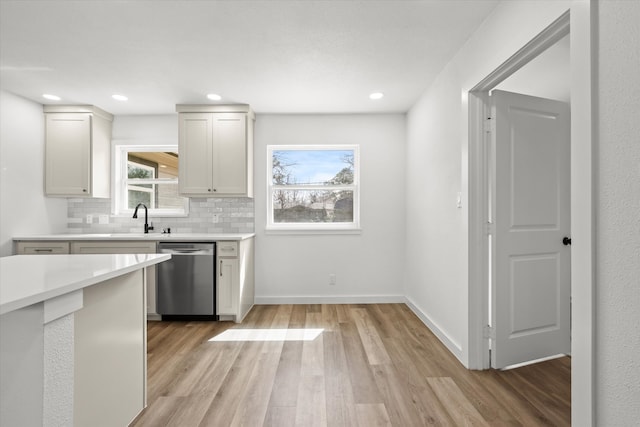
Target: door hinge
(489, 332)
(488, 124)
(489, 228)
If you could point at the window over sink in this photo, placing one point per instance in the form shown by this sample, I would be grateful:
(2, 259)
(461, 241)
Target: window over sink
(148, 174)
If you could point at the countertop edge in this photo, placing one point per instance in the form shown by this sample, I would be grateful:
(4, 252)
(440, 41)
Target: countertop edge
(154, 237)
(151, 259)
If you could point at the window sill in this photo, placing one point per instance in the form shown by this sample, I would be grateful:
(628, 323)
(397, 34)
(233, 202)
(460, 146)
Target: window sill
(150, 215)
(307, 231)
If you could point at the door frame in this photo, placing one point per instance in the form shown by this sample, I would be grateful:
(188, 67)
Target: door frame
(577, 21)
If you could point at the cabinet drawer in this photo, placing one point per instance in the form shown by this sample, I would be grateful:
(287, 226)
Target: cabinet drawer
(227, 249)
(102, 247)
(42, 248)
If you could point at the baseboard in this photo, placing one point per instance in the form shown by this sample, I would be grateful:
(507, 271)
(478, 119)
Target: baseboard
(451, 345)
(332, 299)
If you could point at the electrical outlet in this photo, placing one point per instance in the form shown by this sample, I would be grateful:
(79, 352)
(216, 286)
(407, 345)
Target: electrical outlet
(215, 218)
(89, 219)
(332, 279)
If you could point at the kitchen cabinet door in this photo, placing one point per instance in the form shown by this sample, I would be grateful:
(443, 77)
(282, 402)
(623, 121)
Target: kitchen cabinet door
(68, 152)
(195, 154)
(230, 154)
(216, 151)
(77, 152)
(227, 286)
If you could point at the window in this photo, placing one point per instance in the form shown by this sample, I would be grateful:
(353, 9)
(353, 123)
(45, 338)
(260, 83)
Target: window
(149, 175)
(313, 187)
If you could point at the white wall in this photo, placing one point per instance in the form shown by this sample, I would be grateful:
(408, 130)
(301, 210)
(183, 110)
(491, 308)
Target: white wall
(23, 208)
(368, 266)
(145, 130)
(437, 261)
(618, 228)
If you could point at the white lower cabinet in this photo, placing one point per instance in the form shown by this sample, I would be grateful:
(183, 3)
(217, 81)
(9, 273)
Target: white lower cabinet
(234, 279)
(234, 275)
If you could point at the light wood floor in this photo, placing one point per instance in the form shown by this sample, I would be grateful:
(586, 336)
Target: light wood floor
(372, 365)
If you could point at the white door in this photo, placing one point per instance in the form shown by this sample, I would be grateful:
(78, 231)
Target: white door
(531, 281)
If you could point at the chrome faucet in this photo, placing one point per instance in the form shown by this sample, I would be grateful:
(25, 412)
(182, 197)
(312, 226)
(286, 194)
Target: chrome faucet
(146, 223)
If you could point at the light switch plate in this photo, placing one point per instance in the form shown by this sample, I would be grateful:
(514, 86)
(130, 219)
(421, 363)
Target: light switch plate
(103, 219)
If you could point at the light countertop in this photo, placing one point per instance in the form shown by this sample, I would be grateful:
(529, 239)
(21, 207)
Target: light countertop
(175, 237)
(29, 279)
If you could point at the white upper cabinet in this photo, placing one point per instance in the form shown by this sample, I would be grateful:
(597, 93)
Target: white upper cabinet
(77, 151)
(216, 150)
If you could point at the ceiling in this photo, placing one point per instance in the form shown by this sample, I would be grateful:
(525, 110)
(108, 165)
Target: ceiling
(296, 56)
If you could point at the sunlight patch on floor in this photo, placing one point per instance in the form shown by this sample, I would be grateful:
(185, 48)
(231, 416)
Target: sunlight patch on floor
(305, 334)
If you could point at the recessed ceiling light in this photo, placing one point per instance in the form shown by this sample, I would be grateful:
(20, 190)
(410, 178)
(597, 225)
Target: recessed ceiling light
(214, 97)
(51, 97)
(119, 97)
(376, 95)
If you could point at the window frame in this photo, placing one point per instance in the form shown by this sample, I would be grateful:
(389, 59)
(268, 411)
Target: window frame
(315, 227)
(121, 181)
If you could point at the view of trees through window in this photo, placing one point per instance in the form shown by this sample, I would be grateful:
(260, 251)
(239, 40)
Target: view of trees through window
(313, 186)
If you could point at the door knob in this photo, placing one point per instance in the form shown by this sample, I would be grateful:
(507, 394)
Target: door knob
(566, 241)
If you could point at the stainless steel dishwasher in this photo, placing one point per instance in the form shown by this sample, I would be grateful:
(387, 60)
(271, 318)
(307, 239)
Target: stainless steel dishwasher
(186, 283)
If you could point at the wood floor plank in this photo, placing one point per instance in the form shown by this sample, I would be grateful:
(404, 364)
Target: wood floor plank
(373, 346)
(372, 415)
(456, 403)
(372, 364)
(284, 392)
(311, 408)
(426, 403)
(341, 407)
(252, 406)
(298, 316)
(225, 403)
(160, 412)
(365, 389)
(342, 311)
(280, 416)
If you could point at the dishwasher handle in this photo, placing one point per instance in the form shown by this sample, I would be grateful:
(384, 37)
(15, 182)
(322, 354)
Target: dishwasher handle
(187, 249)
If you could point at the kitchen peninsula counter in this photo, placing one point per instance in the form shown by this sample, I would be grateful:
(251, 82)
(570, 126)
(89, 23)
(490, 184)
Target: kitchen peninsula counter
(73, 338)
(26, 280)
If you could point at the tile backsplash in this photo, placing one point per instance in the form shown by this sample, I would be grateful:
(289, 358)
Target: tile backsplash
(235, 215)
